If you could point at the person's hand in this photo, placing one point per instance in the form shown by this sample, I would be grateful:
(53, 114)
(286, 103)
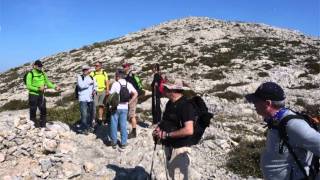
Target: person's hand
(107, 92)
(159, 134)
(41, 88)
(57, 88)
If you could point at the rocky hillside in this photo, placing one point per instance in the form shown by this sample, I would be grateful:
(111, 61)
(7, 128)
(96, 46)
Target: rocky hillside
(221, 60)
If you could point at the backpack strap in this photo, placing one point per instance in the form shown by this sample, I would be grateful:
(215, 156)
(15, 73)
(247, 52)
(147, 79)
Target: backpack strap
(284, 137)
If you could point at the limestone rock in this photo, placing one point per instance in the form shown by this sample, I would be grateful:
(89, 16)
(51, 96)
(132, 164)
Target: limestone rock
(49, 145)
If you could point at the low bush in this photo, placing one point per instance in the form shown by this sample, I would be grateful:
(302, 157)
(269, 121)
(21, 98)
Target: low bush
(229, 95)
(69, 115)
(245, 158)
(15, 105)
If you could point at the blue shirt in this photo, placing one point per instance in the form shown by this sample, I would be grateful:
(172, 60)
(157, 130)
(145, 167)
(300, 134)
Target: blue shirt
(305, 142)
(87, 87)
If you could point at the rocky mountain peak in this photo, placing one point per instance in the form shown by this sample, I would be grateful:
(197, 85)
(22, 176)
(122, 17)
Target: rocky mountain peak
(221, 60)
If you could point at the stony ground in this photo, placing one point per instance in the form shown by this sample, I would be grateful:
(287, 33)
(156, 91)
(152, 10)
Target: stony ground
(220, 60)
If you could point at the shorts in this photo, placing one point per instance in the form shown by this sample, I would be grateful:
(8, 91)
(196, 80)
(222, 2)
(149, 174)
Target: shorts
(132, 108)
(99, 98)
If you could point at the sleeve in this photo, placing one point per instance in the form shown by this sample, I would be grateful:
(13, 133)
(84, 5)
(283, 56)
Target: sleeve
(82, 83)
(188, 113)
(48, 83)
(29, 83)
(114, 88)
(302, 135)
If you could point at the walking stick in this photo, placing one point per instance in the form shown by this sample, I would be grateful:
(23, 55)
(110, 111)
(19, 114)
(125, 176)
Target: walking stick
(154, 150)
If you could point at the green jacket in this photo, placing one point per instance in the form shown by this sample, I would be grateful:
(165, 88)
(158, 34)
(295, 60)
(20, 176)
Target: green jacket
(39, 79)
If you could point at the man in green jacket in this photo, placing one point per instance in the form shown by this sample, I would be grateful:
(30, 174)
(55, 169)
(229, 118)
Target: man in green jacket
(36, 82)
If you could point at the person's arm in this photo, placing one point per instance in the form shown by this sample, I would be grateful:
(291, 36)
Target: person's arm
(107, 82)
(302, 135)
(29, 83)
(49, 84)
(133, 91)
(82, 83)
(187, 130)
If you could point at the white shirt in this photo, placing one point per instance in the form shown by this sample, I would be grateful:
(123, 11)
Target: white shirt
(116, 88)
(86, 88)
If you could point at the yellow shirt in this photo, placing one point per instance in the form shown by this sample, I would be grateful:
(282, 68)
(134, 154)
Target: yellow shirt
(101, 77)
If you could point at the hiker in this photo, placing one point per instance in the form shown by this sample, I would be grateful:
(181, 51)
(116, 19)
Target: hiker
(135, 81)
(176, 126)
(156, 94)
(101, 77)
(87, 88)
(127, 94)
(37, 81)
(277, 160)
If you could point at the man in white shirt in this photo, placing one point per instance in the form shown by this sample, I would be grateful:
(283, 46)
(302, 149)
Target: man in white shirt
(127, 94)
(86, 89)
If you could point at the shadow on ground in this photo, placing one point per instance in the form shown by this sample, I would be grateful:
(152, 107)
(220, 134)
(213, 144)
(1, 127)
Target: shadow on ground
(137, 173)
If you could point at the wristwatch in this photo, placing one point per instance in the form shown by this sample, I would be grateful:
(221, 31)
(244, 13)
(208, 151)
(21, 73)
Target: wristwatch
(167, 135)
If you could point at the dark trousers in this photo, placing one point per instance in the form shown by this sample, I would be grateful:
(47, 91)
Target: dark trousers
(38, 101)
(156, 110)
(86, 112)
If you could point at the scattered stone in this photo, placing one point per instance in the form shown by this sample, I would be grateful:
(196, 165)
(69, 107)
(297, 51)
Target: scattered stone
(49, 145)
(2, 157)
(45, 164)
(88, 167)
(71, 170)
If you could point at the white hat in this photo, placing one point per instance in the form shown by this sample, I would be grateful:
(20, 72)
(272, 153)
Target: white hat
(176, 84)
(85, 67)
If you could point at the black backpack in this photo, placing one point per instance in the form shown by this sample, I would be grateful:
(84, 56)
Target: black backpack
(77, 89)
(171, 122)
(25, 76)
(314, 166)
(202, 121)
(124, 93)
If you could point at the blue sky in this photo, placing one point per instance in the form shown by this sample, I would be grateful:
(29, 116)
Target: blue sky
(31, 29)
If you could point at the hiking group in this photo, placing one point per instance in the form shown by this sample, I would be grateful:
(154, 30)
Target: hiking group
(293, 141)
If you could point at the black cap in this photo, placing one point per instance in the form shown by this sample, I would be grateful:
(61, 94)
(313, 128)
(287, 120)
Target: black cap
(38, 63)
(120, 73)
(267, 91)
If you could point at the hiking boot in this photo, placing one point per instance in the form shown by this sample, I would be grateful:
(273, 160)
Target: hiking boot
(123, 146)
(132, 134)
(113, 145)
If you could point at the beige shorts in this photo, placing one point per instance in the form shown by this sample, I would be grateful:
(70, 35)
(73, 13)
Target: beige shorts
(132, 108)
(99, 98)
(179, 163)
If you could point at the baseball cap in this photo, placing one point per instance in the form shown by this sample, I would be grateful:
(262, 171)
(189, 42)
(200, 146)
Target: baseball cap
(267, 91)
(38, 63)
(125, 65)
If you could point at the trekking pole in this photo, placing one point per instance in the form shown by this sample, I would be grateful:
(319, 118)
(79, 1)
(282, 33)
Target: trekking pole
(154, 150)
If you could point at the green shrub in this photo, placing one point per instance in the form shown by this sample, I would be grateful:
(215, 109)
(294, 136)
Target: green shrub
(245, 158)
(313, 67)
(229, 95)
(313, 110)
(263, 74)
(69, 115)
(15, 105)
(66, 100)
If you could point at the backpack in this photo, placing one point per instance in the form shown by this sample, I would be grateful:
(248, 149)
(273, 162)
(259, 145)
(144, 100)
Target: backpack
(113, 101)
(77, 89)
(171, 122)
(25, 76)
(202, 121)
(314, 166)
(124, 93)
(161, 87)
(136, 82)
